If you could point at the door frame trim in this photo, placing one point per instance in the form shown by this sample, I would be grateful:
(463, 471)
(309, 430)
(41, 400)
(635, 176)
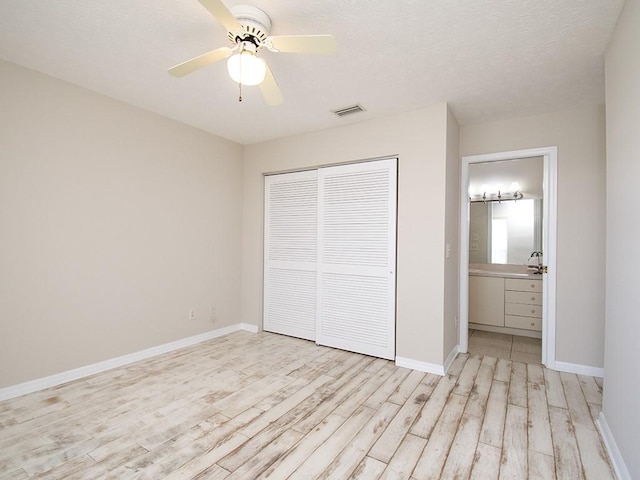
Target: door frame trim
(549, 244)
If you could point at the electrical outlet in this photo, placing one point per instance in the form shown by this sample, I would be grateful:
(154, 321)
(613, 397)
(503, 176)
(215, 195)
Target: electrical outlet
(212, 314)
(192, 314)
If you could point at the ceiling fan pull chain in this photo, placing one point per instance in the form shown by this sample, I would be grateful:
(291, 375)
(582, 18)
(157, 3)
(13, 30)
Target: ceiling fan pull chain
(240, 76)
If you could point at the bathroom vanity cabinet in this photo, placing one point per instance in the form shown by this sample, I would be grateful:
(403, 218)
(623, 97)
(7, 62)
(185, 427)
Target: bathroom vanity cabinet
(503, 302)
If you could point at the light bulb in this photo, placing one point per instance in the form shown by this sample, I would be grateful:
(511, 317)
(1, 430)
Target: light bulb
(246, 68)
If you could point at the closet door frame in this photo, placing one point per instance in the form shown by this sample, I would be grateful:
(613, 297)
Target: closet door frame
(388, 351)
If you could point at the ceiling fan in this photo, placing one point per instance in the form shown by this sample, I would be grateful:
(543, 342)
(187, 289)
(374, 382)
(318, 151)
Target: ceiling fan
(248, 30)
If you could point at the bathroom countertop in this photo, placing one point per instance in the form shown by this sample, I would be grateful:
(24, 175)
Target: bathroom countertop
(504, 271)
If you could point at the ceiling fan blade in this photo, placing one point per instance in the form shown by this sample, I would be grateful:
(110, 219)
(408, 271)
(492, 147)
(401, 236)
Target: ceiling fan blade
(270, 90)
(325, 44)
(203, 60)
(222, 14)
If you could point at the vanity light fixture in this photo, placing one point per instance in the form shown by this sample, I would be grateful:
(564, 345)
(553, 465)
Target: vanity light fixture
(497, 195)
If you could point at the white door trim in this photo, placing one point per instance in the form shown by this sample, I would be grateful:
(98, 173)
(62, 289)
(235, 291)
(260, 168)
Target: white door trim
(550, 175)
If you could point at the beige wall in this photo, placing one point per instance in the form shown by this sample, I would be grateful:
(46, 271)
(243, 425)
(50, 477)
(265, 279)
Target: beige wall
(420, 140)
(579, 135)
(622, 378)
(115, 222)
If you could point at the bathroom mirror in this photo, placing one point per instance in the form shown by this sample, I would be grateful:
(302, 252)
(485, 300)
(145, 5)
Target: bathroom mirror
(505, 232)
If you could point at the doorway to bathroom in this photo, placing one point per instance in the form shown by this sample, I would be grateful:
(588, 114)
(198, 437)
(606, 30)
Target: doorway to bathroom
(508, 253)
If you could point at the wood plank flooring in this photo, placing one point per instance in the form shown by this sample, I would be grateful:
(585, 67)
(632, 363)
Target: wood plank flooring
(251, 406)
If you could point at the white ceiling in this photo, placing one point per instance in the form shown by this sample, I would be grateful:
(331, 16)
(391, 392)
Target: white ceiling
(490, 59)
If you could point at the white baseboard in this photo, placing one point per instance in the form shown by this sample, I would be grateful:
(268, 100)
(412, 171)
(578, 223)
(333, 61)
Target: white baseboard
(450, 358)
(420, 366)
(578, 369)
(612, 449)
(247, 327)
(507, 330)
(64, 377)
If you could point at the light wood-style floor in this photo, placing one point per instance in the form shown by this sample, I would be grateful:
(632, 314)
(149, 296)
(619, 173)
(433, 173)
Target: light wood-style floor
(265, 406)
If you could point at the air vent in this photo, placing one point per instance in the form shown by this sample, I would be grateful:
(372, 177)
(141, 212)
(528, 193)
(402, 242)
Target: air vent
(341, 112)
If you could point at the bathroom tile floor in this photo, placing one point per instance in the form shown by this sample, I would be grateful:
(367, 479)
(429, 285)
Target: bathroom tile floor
(508, 347)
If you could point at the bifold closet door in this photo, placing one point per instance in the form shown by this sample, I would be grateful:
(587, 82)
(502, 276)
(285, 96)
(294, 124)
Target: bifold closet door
(290, 259)
(357, 257)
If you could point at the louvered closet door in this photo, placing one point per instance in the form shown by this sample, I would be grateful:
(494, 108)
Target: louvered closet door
(357, 257)
(291, 238)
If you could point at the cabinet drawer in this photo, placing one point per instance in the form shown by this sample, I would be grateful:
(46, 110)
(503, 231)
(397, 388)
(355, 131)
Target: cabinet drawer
(523, 310)
(523, 285)
(527, 323)
(531, 298)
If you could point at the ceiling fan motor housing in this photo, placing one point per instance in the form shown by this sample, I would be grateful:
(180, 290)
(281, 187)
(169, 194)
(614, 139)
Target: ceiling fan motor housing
(256, 25)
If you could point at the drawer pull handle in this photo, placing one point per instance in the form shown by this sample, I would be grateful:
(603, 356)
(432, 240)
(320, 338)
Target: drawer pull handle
(533, 324)
(533, 285)
(533, 298)
(533, 310)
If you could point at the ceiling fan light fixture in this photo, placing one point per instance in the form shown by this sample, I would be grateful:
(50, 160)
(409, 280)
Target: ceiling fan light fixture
(249, 30)
(246, 68)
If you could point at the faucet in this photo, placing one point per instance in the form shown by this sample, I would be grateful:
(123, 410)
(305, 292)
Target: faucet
(538, 256)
